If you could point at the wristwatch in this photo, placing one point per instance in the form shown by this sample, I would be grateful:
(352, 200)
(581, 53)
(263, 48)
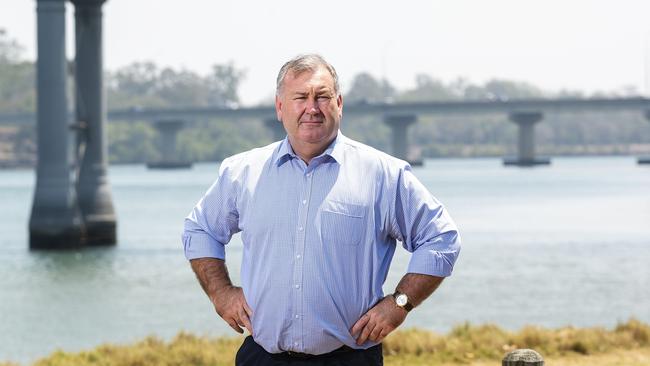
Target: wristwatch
(402, 300)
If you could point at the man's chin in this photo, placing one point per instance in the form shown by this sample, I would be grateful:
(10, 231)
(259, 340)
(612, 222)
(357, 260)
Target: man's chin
(316, 138)
(311, 125)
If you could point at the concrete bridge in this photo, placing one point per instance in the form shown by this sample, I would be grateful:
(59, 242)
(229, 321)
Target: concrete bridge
(72, 204)
(526, 114)
(399, 117)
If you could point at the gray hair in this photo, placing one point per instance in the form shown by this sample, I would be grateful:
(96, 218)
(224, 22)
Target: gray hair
(309, 62)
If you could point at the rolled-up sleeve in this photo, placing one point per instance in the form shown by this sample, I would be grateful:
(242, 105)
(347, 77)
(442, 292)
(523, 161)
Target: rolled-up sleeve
(424, 227)
(214, 219)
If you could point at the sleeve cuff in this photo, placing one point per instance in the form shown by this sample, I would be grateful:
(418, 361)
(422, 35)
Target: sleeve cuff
(201, 245)
(432, 263)
(436, 258)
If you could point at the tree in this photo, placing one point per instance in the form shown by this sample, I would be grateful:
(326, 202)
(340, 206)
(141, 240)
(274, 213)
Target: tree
(134, 85)
(427, 89)
(366, 89)
(223, 85)
(10, 50)
(143, 84)
(17, 78)
(505, 89)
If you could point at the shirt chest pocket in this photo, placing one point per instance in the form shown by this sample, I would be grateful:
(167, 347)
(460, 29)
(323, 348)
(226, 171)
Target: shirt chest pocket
(342, 223)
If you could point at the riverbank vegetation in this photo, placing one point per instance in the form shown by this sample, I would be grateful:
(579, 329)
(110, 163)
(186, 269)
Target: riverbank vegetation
(466, 344)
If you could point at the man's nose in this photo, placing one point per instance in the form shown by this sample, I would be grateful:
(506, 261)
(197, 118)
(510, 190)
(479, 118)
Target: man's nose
(312, 106)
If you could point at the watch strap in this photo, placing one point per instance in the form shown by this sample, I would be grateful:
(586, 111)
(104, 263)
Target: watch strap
(408, 306)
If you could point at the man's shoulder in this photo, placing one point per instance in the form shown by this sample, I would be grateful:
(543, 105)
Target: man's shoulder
(256, 156)
(369, 155)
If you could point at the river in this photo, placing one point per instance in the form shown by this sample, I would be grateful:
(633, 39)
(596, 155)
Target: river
(554, 245)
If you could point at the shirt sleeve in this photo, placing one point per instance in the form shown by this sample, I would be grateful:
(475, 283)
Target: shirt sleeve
(424, 227)
(214, 219)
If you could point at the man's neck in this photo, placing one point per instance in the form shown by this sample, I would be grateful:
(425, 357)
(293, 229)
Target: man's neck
(307, 151)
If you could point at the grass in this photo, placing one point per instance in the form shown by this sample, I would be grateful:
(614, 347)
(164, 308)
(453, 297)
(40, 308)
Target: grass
(466, 344)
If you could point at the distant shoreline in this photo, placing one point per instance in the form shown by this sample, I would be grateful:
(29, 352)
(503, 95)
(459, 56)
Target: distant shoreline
(21, 165)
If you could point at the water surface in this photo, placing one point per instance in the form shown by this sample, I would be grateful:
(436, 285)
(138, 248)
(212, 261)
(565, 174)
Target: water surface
(563, 244)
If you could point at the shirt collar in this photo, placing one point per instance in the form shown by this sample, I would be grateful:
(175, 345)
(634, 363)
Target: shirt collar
(334, 150)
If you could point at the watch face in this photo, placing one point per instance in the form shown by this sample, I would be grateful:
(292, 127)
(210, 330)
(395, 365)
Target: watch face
(401, 300)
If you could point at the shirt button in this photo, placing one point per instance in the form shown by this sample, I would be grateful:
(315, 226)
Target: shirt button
(308, 175)
(300, 228)
(295, 344)
(298, 256)
(297, 286)
(304, 202)
(297, 316)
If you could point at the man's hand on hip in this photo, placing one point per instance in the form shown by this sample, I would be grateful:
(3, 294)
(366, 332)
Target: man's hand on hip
(228, 300)
(232, 307)
(379, 321)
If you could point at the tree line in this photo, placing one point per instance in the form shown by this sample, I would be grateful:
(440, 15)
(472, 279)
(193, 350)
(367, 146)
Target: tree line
(147, 85)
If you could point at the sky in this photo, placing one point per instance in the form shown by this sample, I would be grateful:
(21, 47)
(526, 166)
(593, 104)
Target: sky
(587, 45)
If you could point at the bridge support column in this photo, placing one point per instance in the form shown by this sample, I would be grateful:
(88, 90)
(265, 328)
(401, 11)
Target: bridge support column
(168, 131)
(399, 125)
(645, 159)
(276, 128)
(93, 188)
(55, 222)
(526, 140)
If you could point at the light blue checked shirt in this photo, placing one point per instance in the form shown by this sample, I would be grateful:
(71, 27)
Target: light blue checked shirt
(319, 238)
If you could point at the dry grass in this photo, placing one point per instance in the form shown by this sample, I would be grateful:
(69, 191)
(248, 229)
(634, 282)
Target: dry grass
(637, 357)
(627, 344)
(184, 349)
(466, 343)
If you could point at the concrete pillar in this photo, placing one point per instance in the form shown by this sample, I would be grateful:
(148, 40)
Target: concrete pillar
(526, 140)
(168, 131)
(276, 128)
(55, 222)
(645, 159)
(93, 188)
(399, 125)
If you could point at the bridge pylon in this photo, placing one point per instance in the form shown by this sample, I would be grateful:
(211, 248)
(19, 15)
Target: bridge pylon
(526, 139)
(399, 125)
(168, 132)
(643, 160)
(55, 221)
(72, 200)
(93, 188)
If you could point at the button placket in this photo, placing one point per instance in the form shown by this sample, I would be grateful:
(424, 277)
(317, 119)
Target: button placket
(301, 236)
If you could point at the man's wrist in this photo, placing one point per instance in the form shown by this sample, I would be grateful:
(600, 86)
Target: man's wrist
(402, 301)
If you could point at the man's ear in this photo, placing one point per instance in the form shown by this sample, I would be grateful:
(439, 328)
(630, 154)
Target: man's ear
(278, 107)
(339, 104)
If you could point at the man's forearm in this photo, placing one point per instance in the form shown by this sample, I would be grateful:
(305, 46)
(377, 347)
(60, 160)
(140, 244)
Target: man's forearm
(418, 287)
(212, 274)
(228, 300)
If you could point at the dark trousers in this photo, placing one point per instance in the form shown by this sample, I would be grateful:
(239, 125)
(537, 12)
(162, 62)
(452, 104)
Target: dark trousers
(252, 354)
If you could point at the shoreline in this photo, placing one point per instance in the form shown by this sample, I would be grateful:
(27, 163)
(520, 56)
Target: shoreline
(480, 345)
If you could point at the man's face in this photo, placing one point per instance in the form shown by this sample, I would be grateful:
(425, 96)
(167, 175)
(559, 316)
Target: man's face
(309, 108)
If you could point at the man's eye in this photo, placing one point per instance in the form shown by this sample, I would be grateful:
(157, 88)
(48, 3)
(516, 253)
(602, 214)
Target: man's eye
(324, 97)
(300, 98)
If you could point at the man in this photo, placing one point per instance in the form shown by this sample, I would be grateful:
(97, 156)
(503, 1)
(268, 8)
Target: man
(319, 216)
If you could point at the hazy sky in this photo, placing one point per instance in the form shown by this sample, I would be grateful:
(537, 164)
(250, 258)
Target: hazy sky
(575, 44)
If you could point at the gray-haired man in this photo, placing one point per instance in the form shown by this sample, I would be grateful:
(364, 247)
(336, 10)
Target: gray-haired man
(320, 215)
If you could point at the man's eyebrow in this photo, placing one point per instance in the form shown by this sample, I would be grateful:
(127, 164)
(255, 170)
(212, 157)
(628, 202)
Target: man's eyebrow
(319, 90)
(323, 90)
